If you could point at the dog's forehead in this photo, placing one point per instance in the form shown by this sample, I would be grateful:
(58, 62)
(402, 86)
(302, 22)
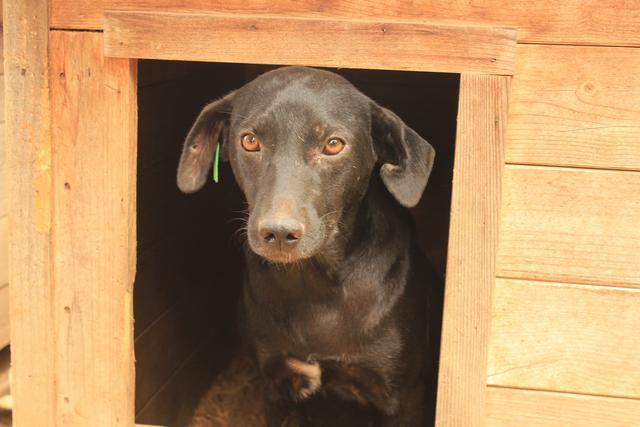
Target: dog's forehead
(300, 89)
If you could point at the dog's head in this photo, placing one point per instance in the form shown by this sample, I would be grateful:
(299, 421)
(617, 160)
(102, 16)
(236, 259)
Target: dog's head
(302, 144)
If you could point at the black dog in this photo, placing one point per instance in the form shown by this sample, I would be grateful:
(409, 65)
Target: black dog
(336, 292)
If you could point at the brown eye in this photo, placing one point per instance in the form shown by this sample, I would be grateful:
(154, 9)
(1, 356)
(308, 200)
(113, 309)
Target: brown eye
(250, 142)
(333, 147)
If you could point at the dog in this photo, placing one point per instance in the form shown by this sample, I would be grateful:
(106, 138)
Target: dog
(336, 296)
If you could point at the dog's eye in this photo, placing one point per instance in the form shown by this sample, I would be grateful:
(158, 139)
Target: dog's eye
(333, 147)
(250, 142)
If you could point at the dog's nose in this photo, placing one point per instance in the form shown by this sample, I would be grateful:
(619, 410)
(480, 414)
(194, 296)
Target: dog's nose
(280, 231)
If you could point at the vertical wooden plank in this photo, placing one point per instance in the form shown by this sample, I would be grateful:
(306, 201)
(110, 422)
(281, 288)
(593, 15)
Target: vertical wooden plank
(473, 240)
(29, 176)
(94, 128)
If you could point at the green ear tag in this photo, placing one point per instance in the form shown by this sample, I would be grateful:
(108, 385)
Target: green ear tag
(216, 162)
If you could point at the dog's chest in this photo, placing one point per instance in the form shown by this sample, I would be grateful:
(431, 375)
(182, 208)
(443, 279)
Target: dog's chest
(344, 325)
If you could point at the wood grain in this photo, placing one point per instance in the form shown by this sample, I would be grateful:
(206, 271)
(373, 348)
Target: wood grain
(569, 225)
(5, 323)
(4, 172)
(508, 407)
(29, 160)
(261, 39)
(606, 22)
(4, 251)
(575, 106)
(473, 237)
(563, 337)
(94, 139)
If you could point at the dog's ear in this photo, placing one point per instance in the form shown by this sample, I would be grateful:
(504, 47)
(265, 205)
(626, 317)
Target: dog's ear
(407, 159)
(210, 127)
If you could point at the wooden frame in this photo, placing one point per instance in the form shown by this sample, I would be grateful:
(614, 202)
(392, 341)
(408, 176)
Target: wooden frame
(55, 178)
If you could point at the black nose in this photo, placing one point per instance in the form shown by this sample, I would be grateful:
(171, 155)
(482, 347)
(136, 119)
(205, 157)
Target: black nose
(280, 231)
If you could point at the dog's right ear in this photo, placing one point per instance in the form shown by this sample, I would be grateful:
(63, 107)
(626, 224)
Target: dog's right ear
(200, 144)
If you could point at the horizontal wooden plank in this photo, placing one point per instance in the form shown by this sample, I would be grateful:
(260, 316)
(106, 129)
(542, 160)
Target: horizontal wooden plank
(262, 39)
(575, 106)
(570, 225)
(605, 22)
(508, 407)
(564, 337)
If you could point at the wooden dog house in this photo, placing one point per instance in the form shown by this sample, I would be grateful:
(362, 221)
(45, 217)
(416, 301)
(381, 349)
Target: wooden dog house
(542, 305)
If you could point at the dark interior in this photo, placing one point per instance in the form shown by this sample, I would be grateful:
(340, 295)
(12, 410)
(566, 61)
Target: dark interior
(189, 264)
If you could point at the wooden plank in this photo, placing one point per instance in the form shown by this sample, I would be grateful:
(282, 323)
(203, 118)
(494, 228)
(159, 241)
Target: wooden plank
(4, 250)
(564, 337)
(94, 135)
(570, 225)
(472, 247)
(508, 407)
(587, 117)
(4, 174)
(29, 160)
(303, 41)
(4, 317)
(606, 22)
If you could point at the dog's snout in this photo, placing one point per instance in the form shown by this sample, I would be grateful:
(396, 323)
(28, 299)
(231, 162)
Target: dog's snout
(280, 231)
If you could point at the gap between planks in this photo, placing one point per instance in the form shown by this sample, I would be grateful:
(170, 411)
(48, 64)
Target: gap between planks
(562, 392)
(574, 283)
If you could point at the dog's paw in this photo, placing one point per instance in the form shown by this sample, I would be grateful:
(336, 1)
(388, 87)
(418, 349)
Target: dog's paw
(292, 379)
(306, 375)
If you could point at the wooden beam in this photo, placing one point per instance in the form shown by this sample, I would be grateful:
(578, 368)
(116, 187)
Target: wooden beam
(473, 238)
(94, 116)
(260, 39)
(29, 177)
(604, 22)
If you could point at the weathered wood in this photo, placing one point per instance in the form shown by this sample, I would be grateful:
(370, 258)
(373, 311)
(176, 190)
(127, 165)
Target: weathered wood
(29, 160)
(5, 332)
(575, 106)
(606, 22)
(4, 282)
(563, 337)
(508, 407)
(570, 225)
(4, 250)
(473, 237)
(94, 176)
(303, 41)
(4, 173)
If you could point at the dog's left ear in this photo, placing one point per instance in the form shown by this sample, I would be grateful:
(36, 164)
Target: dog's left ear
(407, 158)
(209, 129)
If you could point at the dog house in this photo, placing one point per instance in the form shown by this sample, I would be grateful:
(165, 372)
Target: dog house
(541, 305)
